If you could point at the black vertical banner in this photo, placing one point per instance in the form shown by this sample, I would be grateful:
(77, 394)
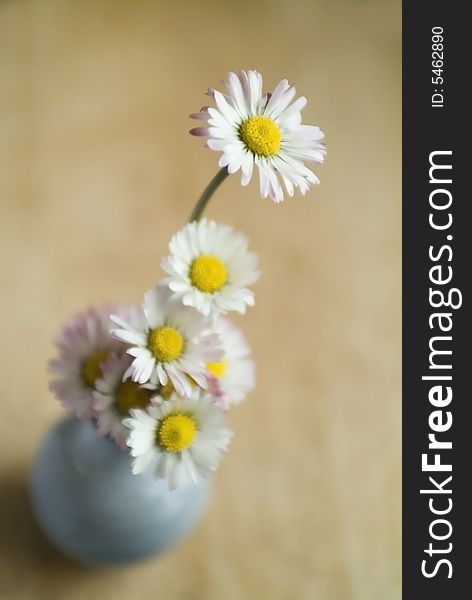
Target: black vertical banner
(437, 328)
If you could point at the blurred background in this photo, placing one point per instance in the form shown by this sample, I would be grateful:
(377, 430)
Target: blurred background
(97, 171)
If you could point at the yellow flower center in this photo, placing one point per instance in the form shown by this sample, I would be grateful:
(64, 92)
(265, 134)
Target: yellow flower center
(208, 273)
(131, 395)
(91, 370)
(261, 135)
(218, 369)
(176, 432)
(166, 343)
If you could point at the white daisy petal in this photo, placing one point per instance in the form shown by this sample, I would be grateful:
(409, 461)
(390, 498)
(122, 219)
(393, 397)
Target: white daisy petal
(130, 337)
(287, 116)
(247, 168)
(280, 99)
(228, 112)
(236, 92)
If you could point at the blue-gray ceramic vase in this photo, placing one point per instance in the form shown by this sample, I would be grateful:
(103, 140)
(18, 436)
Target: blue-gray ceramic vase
(90, 505)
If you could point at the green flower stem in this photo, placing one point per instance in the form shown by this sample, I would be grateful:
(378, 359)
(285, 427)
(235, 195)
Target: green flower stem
(208, 193)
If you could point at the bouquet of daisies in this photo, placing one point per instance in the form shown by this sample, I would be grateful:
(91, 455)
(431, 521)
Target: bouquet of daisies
(159, 379)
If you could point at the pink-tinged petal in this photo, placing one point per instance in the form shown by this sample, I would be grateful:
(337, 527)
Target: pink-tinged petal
(199, 131)
(202, 115)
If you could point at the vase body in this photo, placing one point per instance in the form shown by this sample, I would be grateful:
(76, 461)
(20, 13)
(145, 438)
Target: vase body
(93, 508)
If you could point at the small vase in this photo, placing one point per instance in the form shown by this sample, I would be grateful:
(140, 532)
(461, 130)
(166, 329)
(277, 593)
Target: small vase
(93, 508)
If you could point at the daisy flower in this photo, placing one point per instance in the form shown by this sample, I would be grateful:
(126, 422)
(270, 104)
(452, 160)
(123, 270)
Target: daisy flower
(114, 398)
(252, 128)
(209, 268)
(178, 439)
(232, 378)
(83, 346)
(173, 343)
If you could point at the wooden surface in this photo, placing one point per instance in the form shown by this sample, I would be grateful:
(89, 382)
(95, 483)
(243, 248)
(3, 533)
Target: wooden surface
(97, 171)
